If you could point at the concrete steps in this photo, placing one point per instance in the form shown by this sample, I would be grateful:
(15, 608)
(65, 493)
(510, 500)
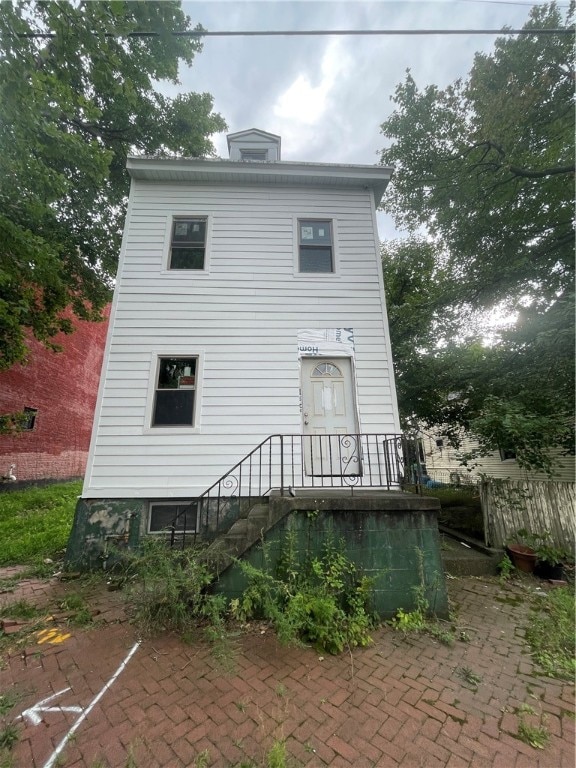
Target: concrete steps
(243, 534)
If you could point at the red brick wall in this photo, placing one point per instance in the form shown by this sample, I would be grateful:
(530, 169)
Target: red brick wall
(63, 387)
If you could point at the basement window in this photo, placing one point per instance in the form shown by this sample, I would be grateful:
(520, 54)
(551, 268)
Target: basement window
(162, 514)
(175, 392)
(188, 244)
(315, 252)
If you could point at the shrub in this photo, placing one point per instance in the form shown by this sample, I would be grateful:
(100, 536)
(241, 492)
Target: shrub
(323, 600)
(169, 589)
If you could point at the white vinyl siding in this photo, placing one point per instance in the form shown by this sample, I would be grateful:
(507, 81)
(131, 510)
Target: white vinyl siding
(442, 463)
(243, 319)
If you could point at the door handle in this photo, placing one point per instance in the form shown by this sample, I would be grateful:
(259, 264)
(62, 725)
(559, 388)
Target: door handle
(305, 421)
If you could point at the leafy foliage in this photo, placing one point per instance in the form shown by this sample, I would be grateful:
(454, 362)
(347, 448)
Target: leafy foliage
(74, 105)
(12, 423)
(486, 167)
(323, 600)
(421, 618)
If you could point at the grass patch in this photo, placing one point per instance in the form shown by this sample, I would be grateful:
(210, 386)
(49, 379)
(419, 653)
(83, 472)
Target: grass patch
(8, 731)
(19, 609)
(8, 701)
(551, 634)
(35, 523)
(8, 736)
(78, 608)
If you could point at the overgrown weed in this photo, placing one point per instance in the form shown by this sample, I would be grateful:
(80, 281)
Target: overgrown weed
(168, 590)
(277, 756)
(322, 599)
(536, 736)
(76, 605)
(421, 618)
(551, 633)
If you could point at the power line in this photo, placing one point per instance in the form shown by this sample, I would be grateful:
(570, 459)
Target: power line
(322, 32)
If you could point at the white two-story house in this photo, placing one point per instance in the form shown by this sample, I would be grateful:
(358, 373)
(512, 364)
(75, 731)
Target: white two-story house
(249, 303)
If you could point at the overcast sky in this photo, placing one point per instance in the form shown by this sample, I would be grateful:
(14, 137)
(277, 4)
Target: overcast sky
(327, 96)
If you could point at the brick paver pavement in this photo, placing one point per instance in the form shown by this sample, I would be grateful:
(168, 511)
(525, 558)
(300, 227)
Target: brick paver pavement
(404, 701)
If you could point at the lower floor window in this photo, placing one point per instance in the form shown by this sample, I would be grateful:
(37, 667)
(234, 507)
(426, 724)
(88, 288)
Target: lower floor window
(175, 392)
(163, 515)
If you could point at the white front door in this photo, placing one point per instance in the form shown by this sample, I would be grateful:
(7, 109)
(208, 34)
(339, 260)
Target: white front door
(328, 408)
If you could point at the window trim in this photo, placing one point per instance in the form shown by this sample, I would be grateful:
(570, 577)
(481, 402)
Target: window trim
(166, 254)
(168, 503)
(335, 274)
(173, 429)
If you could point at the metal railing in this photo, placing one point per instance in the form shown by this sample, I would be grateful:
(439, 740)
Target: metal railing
(287, 464)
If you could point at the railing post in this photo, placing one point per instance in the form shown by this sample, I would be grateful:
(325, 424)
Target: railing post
(281, 465)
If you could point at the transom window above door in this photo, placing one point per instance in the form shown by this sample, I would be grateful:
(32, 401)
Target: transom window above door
(315, 246)
(188, 243)
(326, 369)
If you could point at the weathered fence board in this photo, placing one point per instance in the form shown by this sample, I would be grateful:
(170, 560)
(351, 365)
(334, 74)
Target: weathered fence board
(537, 506)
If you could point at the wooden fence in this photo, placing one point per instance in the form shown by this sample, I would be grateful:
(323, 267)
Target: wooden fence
(537, 506)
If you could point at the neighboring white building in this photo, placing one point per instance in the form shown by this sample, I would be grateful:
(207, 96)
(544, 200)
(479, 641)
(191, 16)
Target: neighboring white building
(442, 462)
(249, 302)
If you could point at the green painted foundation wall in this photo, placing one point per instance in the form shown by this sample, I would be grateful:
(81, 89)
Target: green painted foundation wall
(386, 536)
(102, 529)
(387, 546)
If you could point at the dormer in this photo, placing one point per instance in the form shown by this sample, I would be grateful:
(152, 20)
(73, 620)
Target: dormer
(253, 146)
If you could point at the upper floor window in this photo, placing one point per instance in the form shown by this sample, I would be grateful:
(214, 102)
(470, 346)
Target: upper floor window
(175, 392)
(315, 246)
(260, 155)
(188, 243)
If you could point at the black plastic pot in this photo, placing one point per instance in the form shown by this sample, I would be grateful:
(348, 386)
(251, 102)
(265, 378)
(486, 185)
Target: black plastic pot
(548, 571)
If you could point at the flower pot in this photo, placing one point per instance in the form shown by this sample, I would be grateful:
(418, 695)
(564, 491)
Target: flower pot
(548, 571)
(523, 558)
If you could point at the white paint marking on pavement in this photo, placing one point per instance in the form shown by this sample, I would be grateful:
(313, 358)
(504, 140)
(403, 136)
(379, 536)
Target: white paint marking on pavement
(33, 713)
(90, 707)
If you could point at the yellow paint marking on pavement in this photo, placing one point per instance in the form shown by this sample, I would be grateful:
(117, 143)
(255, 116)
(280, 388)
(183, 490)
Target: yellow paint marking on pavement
(52, 636)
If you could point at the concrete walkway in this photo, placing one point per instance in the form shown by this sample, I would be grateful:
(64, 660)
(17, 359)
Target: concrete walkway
(404, 701)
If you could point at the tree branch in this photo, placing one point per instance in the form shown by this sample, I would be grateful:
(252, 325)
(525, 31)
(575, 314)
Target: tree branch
(527, 174)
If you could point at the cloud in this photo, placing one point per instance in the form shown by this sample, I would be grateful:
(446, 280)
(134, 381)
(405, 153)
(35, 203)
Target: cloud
(304, 105)
(305, 102)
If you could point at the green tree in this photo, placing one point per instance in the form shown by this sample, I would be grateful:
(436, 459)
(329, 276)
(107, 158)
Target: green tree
(486, 167)
(72, 107)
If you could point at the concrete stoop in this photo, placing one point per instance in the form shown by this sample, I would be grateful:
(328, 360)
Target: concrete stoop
(391, 537)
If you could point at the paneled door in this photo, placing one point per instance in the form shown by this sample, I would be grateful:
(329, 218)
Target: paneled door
(330, 426)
